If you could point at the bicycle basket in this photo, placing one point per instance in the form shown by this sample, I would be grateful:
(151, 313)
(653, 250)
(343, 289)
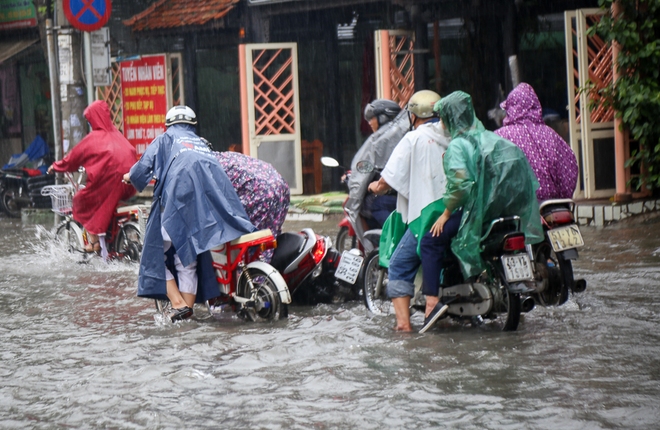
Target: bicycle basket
(61, 197)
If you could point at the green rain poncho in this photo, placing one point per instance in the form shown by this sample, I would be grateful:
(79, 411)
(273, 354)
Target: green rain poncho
(488, 176)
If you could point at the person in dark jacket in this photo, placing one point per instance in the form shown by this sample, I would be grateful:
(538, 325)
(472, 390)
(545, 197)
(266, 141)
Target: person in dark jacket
(195, 209)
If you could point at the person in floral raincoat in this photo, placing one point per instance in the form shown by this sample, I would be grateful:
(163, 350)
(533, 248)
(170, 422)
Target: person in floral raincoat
(261, 189)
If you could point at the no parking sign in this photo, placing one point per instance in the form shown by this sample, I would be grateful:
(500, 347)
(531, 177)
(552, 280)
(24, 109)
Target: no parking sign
(87, 15)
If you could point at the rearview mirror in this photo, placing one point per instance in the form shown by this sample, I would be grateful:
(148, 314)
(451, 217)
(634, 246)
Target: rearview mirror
(364, 166)
(329, 162)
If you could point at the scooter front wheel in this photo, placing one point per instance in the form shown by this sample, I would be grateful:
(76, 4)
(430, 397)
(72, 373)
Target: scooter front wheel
(374, 279)
(264, 301)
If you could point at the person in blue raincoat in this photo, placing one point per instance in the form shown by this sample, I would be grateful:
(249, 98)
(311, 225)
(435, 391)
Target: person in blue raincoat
(195, 208)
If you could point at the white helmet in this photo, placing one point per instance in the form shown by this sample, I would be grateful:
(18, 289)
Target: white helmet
(421, 103)
(180, 115)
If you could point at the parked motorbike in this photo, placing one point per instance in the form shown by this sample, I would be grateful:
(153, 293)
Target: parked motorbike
(553, 257)
(493, 295)
(20, 188)
(307, 262)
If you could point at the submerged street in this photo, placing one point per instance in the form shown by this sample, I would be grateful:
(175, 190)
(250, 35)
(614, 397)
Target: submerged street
(80, 350)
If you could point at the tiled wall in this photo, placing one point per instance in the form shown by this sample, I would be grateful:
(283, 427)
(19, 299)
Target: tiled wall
(602, 215)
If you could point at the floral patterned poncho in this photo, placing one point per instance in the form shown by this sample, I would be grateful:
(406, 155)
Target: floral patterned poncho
(551, 158)
(261, 189)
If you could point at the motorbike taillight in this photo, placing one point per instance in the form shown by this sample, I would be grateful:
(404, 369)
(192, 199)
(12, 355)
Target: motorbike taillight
(514, 243)
(319, 250)
(559, 217)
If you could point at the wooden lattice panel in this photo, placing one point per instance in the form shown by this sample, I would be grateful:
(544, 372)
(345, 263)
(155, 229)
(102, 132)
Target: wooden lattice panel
(600, 73)
(177, 94)
(112, 96)
(273, 92)
(402, 68)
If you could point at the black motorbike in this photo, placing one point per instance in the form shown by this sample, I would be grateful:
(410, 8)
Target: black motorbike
(18, 189)
(493, 295)
(553, 257)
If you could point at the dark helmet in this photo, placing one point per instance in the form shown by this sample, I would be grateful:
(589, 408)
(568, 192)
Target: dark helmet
(382, 109)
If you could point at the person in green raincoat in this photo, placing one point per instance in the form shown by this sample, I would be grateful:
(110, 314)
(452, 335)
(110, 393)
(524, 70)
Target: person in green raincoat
(487, 177)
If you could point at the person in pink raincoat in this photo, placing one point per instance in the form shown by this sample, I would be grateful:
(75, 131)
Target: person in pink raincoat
(551, 158)
(106, 155)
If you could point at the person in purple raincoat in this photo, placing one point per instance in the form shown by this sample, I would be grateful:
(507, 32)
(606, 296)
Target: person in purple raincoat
(551, 158)
(261, 189)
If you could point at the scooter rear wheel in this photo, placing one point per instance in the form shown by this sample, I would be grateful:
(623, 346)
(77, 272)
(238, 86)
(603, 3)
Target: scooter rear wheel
(9, 202)
(510, 308)
(559, 274)
(345, 242)
(267, 303)
(129, 242)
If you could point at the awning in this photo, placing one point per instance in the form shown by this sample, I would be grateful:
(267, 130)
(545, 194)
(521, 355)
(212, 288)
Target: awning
(165, 14)
(258, 2)
(9, 49)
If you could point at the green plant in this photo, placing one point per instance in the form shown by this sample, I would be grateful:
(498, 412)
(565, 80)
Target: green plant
(635, 95)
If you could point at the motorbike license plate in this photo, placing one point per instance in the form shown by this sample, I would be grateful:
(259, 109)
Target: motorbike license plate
(517, 267)
(349, 267)
(564, 238)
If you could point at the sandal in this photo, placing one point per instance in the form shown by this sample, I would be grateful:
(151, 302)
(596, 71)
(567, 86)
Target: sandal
(180, 314)
(92, 247)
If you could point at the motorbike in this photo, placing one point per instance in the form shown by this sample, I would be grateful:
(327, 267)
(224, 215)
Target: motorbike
(356, 241)
(355, 229)
(553, 257)
(19, 188)
(307, 262)
(301, 270)
(494, 295)
(248, 286)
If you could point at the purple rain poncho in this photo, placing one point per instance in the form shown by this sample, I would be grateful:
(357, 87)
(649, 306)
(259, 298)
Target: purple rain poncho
(261, 189)
(551, 158)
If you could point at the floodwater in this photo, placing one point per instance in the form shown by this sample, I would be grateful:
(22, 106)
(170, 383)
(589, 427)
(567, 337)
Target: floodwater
(80, 350)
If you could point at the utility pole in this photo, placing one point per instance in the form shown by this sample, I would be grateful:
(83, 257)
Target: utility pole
(73, 100)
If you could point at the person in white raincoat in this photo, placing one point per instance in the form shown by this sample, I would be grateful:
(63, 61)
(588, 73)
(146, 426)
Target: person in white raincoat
(415, 171)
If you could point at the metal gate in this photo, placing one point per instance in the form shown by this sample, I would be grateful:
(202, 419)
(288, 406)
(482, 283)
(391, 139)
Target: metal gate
(269, 108)
(395, 65)
(589, 62)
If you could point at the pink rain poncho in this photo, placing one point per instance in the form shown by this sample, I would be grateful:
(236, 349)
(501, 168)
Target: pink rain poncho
(551, 158)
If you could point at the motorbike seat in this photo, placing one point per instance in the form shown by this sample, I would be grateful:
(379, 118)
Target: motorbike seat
(289, 245)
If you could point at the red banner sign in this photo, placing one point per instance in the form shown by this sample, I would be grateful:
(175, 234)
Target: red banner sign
(144, 100)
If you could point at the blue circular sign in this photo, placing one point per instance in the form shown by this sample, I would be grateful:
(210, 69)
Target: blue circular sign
(87, 15)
